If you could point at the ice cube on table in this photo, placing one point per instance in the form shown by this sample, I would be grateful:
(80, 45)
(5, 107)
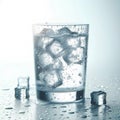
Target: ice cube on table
(72, 76)
(64, 31)
(55, 48)
(45, 59)
(74, 55)
(21, 93)
(23, 82)
(50, 79)
(98, 98)
(47, 32)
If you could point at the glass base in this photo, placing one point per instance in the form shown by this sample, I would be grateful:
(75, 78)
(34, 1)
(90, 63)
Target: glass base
(61, 97)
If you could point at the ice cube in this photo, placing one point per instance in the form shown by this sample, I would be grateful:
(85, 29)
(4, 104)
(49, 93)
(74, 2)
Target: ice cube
(72, 42)
(47, 32)
(98, 98)
(72, 76)
(64, 31)
(42, 42)
(50, 78)
(23, 82)
(45, 59)
(74, 55)
(59, 63)
(55, 48)
(21, 93)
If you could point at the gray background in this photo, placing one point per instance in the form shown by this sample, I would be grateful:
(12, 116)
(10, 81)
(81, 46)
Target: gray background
(16, 41)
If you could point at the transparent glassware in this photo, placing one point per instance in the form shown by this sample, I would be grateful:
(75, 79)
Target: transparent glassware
(60, 56)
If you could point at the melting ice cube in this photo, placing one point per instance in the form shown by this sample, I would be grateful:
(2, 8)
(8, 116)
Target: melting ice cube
(50, 78)
(55, 48)
(45, 59)
(74, 55)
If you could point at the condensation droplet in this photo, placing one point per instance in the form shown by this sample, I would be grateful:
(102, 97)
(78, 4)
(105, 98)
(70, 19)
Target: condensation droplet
(64, 111)
(9, 108)
(22, 112)
(71, 112)
(54, 107)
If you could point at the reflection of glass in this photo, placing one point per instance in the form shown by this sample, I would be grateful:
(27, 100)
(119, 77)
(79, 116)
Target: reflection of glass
(71, 111)
(60, 53)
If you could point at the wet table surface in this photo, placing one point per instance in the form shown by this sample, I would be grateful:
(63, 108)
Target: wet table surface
(33, 109)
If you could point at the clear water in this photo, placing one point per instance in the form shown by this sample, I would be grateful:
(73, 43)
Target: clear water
(60, 60)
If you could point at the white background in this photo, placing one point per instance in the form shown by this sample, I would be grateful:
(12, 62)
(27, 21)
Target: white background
(16, 39)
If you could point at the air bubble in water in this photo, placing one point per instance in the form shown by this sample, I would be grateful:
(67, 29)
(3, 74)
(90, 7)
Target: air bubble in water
(84, 116)
(63, 106)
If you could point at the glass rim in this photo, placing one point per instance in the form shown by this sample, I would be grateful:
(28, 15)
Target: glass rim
(84, 27)
(59, 24)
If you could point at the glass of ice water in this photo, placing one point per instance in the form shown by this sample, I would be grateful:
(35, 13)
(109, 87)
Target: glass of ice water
(60, 54)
